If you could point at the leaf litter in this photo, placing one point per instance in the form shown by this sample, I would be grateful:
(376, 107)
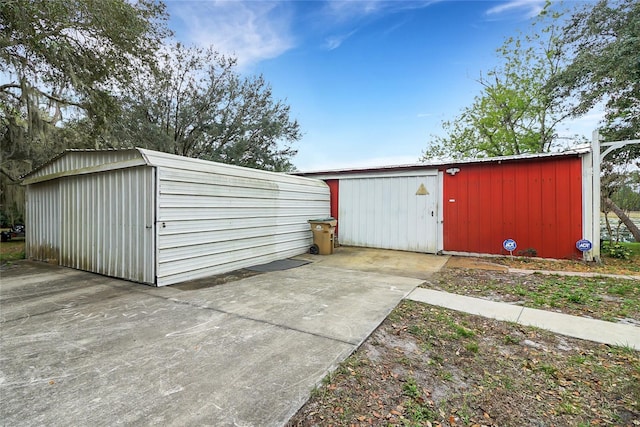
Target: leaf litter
(429, 366)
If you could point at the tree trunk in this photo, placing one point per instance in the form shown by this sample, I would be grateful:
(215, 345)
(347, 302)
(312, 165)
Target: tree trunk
(624, 218)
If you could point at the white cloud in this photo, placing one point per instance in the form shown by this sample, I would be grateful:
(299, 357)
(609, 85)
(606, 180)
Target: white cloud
(334, 42)
(251, 31)
(530, 8)
(350, 9)
(337, 13)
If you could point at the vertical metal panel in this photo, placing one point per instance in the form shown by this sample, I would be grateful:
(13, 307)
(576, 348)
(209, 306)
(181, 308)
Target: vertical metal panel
(215, 218)
(385, 212)
(107, 223)
(334, 190)
(537, 202)
(42, 221)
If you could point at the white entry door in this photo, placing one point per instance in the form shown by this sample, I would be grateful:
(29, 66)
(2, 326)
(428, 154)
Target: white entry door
(399, 212)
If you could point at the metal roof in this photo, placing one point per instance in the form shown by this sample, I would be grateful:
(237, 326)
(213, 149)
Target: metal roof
(79, 162)
(576, 151)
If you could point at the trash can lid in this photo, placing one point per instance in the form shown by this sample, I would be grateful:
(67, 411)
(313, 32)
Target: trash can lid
(322, 219)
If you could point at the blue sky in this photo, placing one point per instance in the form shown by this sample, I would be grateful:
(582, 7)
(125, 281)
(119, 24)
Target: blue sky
(369, 81)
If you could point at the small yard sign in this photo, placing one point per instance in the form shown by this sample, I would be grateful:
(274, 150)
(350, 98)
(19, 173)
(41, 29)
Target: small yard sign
(509, 245)
(584, 245)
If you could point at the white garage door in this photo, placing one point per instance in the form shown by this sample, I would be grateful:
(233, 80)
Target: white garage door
(390, 212)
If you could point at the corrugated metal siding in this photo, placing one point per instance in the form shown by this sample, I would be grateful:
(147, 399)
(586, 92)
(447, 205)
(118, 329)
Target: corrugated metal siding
(107, 223)
(42, 221)
(215, 218)
(334, 189)
(385, 212)
(73, 160)
(537, 203)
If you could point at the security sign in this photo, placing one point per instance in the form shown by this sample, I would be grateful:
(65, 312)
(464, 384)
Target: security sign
(584, 245)
(509, 245)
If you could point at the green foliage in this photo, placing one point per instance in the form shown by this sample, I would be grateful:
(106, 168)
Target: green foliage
(615, 250)
(626, 191)
(410, 388)
(66, 57)
(605, 66)
(197, 105)
(61, 59)
(515, 113)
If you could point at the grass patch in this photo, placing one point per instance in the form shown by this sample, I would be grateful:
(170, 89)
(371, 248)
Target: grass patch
(12, 250)
(633, 247)
(602, 298)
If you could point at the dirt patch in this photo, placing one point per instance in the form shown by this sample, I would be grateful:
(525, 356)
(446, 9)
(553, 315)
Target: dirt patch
(607, 266)
(474, 263)
(211, 281)
(429, 366)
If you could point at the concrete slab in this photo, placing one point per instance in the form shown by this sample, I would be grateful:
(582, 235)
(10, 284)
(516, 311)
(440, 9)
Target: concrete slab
(397, 263)
(480, 307)
(581, 327)
(342, 305)
(79, 348)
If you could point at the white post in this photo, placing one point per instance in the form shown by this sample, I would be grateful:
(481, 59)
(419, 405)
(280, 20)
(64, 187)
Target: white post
(595, 217)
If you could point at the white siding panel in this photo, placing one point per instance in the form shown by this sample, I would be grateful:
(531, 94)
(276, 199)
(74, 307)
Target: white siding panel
(385, 212)
(107, 223)
(217, 218)
(75, 160)
(42, 221)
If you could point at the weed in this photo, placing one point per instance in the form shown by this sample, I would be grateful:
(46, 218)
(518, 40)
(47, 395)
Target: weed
(509, 340)
(472, 347)
(549, 370)
(410, 388)
(519, 290)
(615, 250)
(446, 375)
(507, 382)
(578, 359)
(405, 361)
(463, 332)
(418, 331)
(420, 413)
(620, 289)
(576, 298)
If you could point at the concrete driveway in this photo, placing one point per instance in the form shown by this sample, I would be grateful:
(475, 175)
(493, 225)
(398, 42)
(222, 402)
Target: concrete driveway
(83, 349)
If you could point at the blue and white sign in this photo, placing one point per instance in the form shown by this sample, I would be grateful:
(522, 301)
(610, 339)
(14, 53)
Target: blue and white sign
(584, 245)
(509, 245)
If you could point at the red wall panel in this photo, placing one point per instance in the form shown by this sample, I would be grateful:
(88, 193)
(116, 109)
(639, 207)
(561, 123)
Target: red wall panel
(334, 189)
(538, 203)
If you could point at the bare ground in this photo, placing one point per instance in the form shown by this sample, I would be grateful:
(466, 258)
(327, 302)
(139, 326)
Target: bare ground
(429, 366)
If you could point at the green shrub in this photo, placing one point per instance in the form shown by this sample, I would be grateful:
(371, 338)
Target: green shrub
(615, 250)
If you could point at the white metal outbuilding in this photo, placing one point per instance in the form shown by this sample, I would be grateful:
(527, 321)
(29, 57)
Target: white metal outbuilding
(162, 219)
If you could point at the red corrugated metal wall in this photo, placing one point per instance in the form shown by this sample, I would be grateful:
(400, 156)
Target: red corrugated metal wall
(334, 186)
(538, 203)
